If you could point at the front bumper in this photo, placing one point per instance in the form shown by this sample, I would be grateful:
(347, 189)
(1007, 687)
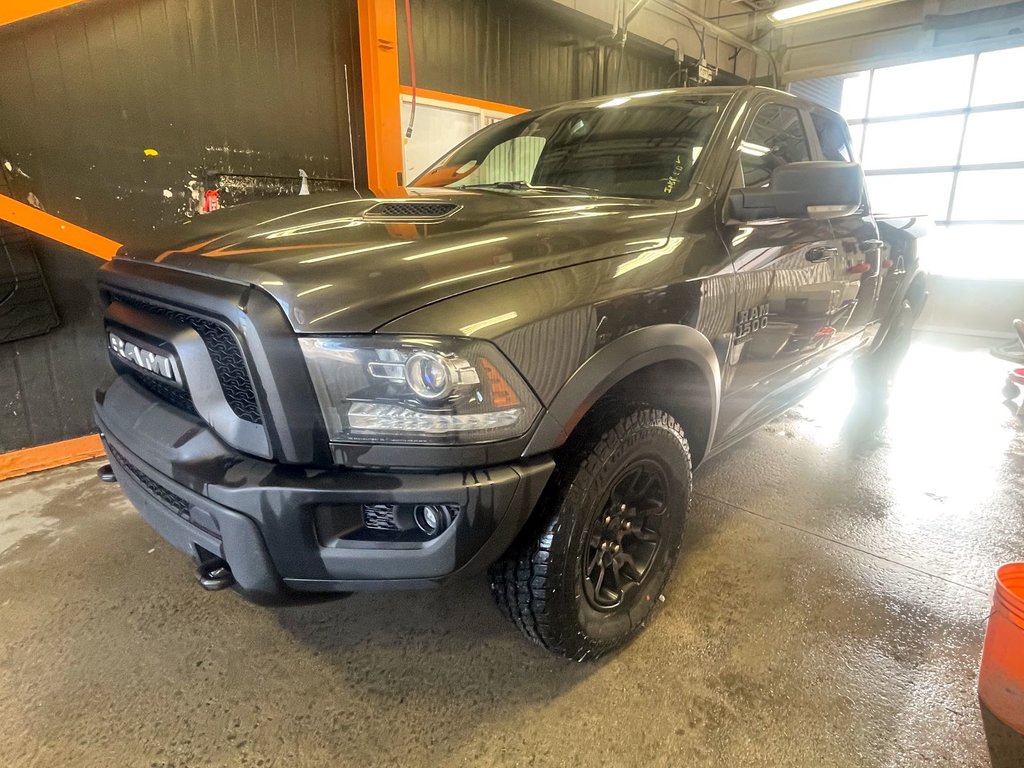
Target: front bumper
(261, 518)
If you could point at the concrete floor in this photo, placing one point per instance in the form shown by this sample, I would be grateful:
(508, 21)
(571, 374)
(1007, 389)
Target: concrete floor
(828, 610)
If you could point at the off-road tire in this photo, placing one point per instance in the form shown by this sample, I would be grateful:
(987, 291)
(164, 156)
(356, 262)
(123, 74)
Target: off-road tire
(541, 584)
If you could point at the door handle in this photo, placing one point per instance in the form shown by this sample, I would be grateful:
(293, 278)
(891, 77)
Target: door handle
(873, 253)
(821, 253)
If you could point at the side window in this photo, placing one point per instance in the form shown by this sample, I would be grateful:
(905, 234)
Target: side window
(777, 137)
(833, 137)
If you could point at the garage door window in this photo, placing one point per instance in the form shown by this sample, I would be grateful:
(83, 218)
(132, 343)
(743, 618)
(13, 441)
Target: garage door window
(943, 137)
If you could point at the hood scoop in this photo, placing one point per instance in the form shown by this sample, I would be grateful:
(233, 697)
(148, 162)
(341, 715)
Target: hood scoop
(409, 210)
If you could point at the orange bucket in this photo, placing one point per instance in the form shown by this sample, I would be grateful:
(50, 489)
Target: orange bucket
(1001, 682)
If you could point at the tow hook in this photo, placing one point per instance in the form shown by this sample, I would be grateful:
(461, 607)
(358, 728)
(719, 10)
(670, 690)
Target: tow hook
(214, 575)
(106, 474)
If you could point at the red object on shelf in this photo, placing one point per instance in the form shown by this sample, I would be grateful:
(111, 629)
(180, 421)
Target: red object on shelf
(1017, 375)
(211, 201)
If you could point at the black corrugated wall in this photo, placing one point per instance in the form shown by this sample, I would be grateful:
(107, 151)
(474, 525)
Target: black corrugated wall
(244, 86)
(523, 52)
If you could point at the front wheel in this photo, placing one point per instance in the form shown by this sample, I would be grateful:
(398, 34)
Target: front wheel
(585, 580)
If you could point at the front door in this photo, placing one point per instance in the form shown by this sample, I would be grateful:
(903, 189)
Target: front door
(858, 265)
(787, 289)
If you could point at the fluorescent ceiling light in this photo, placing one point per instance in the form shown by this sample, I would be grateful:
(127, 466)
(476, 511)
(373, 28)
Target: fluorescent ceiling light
(819, 9)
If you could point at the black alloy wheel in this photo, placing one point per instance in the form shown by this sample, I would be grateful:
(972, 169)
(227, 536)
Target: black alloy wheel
(586, 575)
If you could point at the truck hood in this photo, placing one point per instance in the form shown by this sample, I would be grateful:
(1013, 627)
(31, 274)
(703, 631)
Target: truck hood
(342, 265)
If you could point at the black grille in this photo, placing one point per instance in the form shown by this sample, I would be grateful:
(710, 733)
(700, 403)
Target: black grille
(176, 396)
(381, 517)
(169, 499)
(403, 210)
(224, 352)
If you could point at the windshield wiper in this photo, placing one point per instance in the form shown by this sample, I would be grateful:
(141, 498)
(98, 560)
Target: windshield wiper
(523, 185)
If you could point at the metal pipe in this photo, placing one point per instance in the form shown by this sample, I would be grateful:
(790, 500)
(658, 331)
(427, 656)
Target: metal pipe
(723, 34)
(634, 11)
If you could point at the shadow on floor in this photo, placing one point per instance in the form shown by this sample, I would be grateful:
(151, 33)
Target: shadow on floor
(1005, 745)
(407, 652)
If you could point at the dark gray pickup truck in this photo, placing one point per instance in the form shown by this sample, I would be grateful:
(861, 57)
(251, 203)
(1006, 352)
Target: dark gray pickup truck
(515, 365)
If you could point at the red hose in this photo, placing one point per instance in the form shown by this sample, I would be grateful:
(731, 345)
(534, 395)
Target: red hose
(412, 66)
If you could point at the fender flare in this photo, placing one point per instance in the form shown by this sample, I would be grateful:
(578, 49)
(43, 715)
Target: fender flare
(614, 362)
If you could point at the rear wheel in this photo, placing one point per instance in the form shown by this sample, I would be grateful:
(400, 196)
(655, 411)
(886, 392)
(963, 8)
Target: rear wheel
(875, 372)
(585, 580)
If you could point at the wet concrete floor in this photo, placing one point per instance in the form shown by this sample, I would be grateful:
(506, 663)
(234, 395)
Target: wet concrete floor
(828, 610)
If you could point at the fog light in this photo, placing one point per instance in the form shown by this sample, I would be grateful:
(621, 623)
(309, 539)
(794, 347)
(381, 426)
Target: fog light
(432, 519)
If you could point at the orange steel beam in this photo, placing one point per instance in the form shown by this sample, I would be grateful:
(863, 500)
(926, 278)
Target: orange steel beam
(16, 463)
(16, 10)
(45, 224)
(382, 107)
(469, 101)
(22, 462)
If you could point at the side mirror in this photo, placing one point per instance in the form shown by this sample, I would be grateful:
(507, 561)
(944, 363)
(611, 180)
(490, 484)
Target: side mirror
(816, 189)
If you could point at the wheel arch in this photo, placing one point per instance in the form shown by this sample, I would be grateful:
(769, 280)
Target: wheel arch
(671, 366)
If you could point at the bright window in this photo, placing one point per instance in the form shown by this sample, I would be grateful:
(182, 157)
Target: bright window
(917, 143)
(927, 86)
(976, 251)
(857, 138)
(994, 137)
(989, 195)
(995, 81)
(946, 137)
(911, 193)
(855, 96)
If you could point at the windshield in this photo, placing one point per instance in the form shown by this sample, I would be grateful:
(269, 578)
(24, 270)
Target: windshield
(625, 147)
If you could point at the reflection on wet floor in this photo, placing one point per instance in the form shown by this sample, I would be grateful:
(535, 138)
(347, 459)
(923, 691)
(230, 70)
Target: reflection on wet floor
(933, 477)
(932, 482)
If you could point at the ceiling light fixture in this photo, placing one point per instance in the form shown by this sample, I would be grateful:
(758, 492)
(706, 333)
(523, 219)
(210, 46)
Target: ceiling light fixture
(820, 9)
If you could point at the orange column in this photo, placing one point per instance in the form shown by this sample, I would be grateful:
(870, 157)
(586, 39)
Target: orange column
(382, 109)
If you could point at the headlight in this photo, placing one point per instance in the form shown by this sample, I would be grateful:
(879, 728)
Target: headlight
(423, 390)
